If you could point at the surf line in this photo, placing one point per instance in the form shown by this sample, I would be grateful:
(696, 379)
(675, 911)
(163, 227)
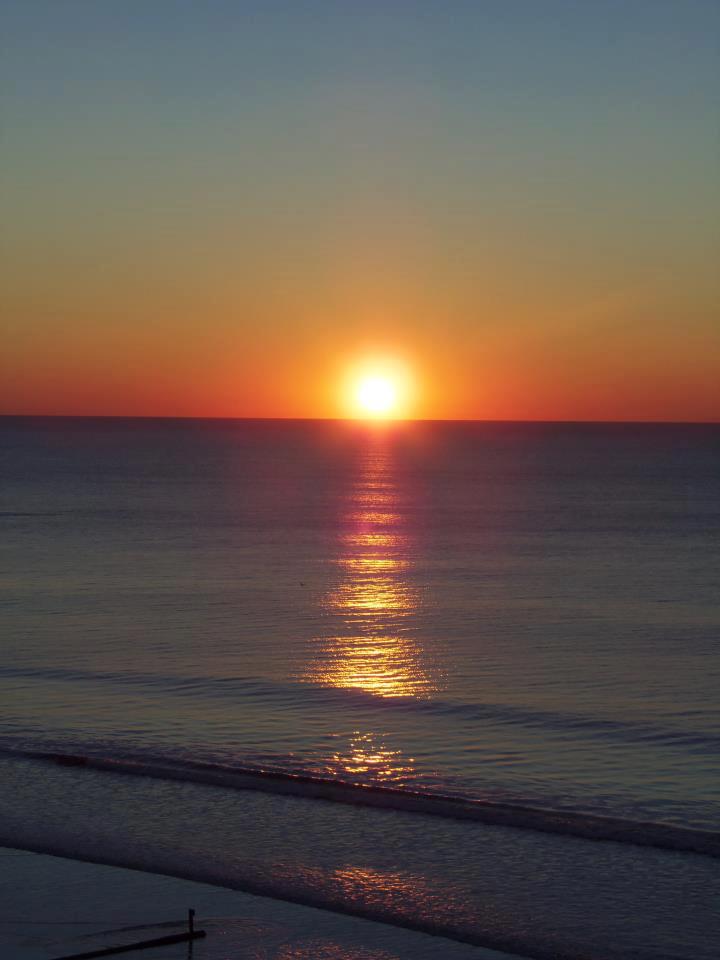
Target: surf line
(664, 836)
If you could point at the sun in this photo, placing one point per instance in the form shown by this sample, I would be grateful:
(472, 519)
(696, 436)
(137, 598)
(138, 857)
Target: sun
(376, 396)
(378, 388)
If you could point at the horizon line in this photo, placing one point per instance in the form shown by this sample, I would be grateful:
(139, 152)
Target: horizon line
(359, 420)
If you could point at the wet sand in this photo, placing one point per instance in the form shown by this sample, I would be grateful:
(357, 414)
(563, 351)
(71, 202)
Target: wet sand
(51, 907)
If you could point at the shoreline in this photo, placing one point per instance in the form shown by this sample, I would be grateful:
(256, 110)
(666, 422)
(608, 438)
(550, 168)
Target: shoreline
(56, 905)
(566, 823)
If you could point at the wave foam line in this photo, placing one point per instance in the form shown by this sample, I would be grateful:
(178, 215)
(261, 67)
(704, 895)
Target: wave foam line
(664, 836)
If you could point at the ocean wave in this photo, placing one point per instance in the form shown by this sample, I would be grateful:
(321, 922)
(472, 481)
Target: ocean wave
(306, 694)
(645, 833)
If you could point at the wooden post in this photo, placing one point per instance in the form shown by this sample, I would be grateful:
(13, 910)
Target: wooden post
(141, 945)
(188, 937)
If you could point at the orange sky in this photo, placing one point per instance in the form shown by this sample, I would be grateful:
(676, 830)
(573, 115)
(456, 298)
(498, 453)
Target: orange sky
(213, 218)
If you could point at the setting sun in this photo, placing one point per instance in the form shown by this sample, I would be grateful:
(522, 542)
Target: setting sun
(378, 388)
(376, 396)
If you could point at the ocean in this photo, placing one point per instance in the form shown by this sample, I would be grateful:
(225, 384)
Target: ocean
(456, 677)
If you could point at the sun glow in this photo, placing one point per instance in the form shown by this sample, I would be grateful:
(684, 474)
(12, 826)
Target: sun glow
(376, 396)
(378, 390)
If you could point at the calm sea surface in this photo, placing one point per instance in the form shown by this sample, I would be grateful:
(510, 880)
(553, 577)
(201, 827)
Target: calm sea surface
(514, 615)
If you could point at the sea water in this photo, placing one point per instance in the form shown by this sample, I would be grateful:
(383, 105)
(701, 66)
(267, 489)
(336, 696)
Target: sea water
(459, 677)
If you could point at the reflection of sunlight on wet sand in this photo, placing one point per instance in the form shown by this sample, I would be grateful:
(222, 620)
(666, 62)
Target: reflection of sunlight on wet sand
(369, 887)
(364, 886)
(319, 948)
(367, 884)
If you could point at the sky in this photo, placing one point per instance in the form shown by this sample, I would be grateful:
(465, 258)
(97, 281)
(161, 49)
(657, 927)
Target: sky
(225, 208)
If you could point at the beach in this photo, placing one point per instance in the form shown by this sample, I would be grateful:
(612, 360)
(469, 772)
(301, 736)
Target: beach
(53, 906)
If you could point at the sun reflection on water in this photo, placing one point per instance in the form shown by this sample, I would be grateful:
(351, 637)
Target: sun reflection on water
(374, 539)
(366, 754)
(379, 665)
(372, 564)
(373, 641)
(374, 603)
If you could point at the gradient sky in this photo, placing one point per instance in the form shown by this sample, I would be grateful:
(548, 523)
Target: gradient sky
(216, 208)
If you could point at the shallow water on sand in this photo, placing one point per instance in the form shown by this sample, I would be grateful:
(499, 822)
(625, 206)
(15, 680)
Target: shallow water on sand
(54, 906)
(519, 891)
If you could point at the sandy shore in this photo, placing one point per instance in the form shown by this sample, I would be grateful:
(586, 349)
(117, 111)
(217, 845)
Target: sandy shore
(50, 907)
